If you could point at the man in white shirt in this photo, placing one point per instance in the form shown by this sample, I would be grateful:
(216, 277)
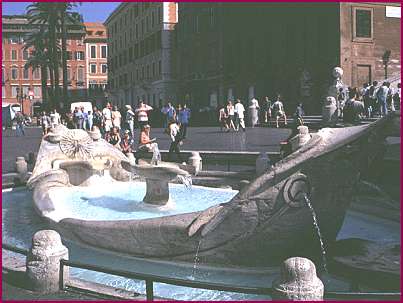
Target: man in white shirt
(54, 118)
(240, 115)
(278, 109)
(107, 114)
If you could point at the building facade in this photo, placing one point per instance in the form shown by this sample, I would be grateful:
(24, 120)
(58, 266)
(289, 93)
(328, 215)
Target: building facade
(245, 50)
(141, 53)
(96, 60)
(23, 86)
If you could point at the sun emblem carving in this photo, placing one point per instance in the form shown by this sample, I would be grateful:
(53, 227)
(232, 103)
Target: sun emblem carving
(76, 144)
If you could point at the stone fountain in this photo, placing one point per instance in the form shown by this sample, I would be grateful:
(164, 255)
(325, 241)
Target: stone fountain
(268, 219)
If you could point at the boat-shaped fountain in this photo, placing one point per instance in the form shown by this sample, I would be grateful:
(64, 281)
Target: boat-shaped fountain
(268, 219)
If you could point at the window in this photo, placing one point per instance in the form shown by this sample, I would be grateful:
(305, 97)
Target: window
(103, 51)
(25, 90)
(14, 73)
(142, 72)
(80, 76)
(37, 91)
(363, 23)
(104, 68)
(80, 56)
(93, 51)
(93, 68)
(14, 40)
(148, 71)
(13, 54)
(159, 68)
(153, 72)
(69, 55)
(37, 74)
(25, 73)
(25, 54)
(14, 91)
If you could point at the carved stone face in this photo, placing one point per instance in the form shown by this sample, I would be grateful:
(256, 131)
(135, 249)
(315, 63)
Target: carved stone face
(337, 72)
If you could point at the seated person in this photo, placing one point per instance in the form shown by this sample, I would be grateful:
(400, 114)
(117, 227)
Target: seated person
(145, 144)
(114, 137)
(127, 143)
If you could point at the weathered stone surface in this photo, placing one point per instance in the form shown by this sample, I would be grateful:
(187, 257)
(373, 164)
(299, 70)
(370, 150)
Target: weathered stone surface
(43, 261)
(298, 281)
(157, 192)
(265, 220)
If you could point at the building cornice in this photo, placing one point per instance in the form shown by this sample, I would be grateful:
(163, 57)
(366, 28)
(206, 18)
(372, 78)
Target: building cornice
(116, 12)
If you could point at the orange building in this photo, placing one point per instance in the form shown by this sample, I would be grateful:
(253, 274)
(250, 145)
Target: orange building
(96, 59)
(22, 86)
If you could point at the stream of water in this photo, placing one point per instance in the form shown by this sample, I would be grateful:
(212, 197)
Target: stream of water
(317, 228)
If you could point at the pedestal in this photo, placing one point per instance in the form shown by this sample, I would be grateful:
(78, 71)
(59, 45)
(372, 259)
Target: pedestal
(157, 192)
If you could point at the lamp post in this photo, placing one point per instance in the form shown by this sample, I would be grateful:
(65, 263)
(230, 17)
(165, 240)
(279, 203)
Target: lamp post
(20, 98)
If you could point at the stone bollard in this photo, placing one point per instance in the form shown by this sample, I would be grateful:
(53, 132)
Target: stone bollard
(298, 281)
(262, 163)
(43, 261)
(196, 161)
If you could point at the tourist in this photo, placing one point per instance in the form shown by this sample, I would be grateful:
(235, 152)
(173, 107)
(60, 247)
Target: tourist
(278, 109)
(45, 122)
(127, 143)
(382, 95)
(222, 118)
(142, 113)
(85, 118)
(19, 117)
(107, 117)
(267, 110)
(145, 143)
(183, 118)
(55, 118)
(230, 115)
(114, 137)
(299, 115)
(81, 117)
(396, 97)
(254, 112)
(353, 109)
(341, 99)
(373, 101)
(130, 119)
(176, 140)
(97, 119)
(116, 117)
(169, 113)
(240, 115)
(90, 120)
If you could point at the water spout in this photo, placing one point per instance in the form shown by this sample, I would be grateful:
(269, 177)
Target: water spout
(156, 158)
(318, 232)
(195, 262)
(185, 180)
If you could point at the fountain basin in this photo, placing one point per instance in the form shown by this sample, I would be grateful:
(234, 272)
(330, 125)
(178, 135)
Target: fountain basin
(267, 221)
(157, 178)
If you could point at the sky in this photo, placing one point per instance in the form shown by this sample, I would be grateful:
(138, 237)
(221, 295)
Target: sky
(91, 11)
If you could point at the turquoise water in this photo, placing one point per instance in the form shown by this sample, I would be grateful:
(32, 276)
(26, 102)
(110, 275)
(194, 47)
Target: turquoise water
(123, 201)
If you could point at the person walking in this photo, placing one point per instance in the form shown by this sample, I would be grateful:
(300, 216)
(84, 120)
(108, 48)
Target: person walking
(45, 122)
(299, 115)
(341, 99)
(382, 95)
(107, 117)
(55, 118)
(176, 140)
(183, 118)
(278, 109)
(254, 112)
(142, 113)
(130, 119)
(240, 115)
(90, 120)
(267, 110)
(222, 118)
(169, 113)
(231, 115)
(116, 117)
(19, 117)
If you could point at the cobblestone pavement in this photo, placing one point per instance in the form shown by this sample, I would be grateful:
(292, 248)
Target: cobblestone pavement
(198, 139)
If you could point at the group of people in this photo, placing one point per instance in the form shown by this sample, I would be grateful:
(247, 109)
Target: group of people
(371, 100)
(232, 116)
